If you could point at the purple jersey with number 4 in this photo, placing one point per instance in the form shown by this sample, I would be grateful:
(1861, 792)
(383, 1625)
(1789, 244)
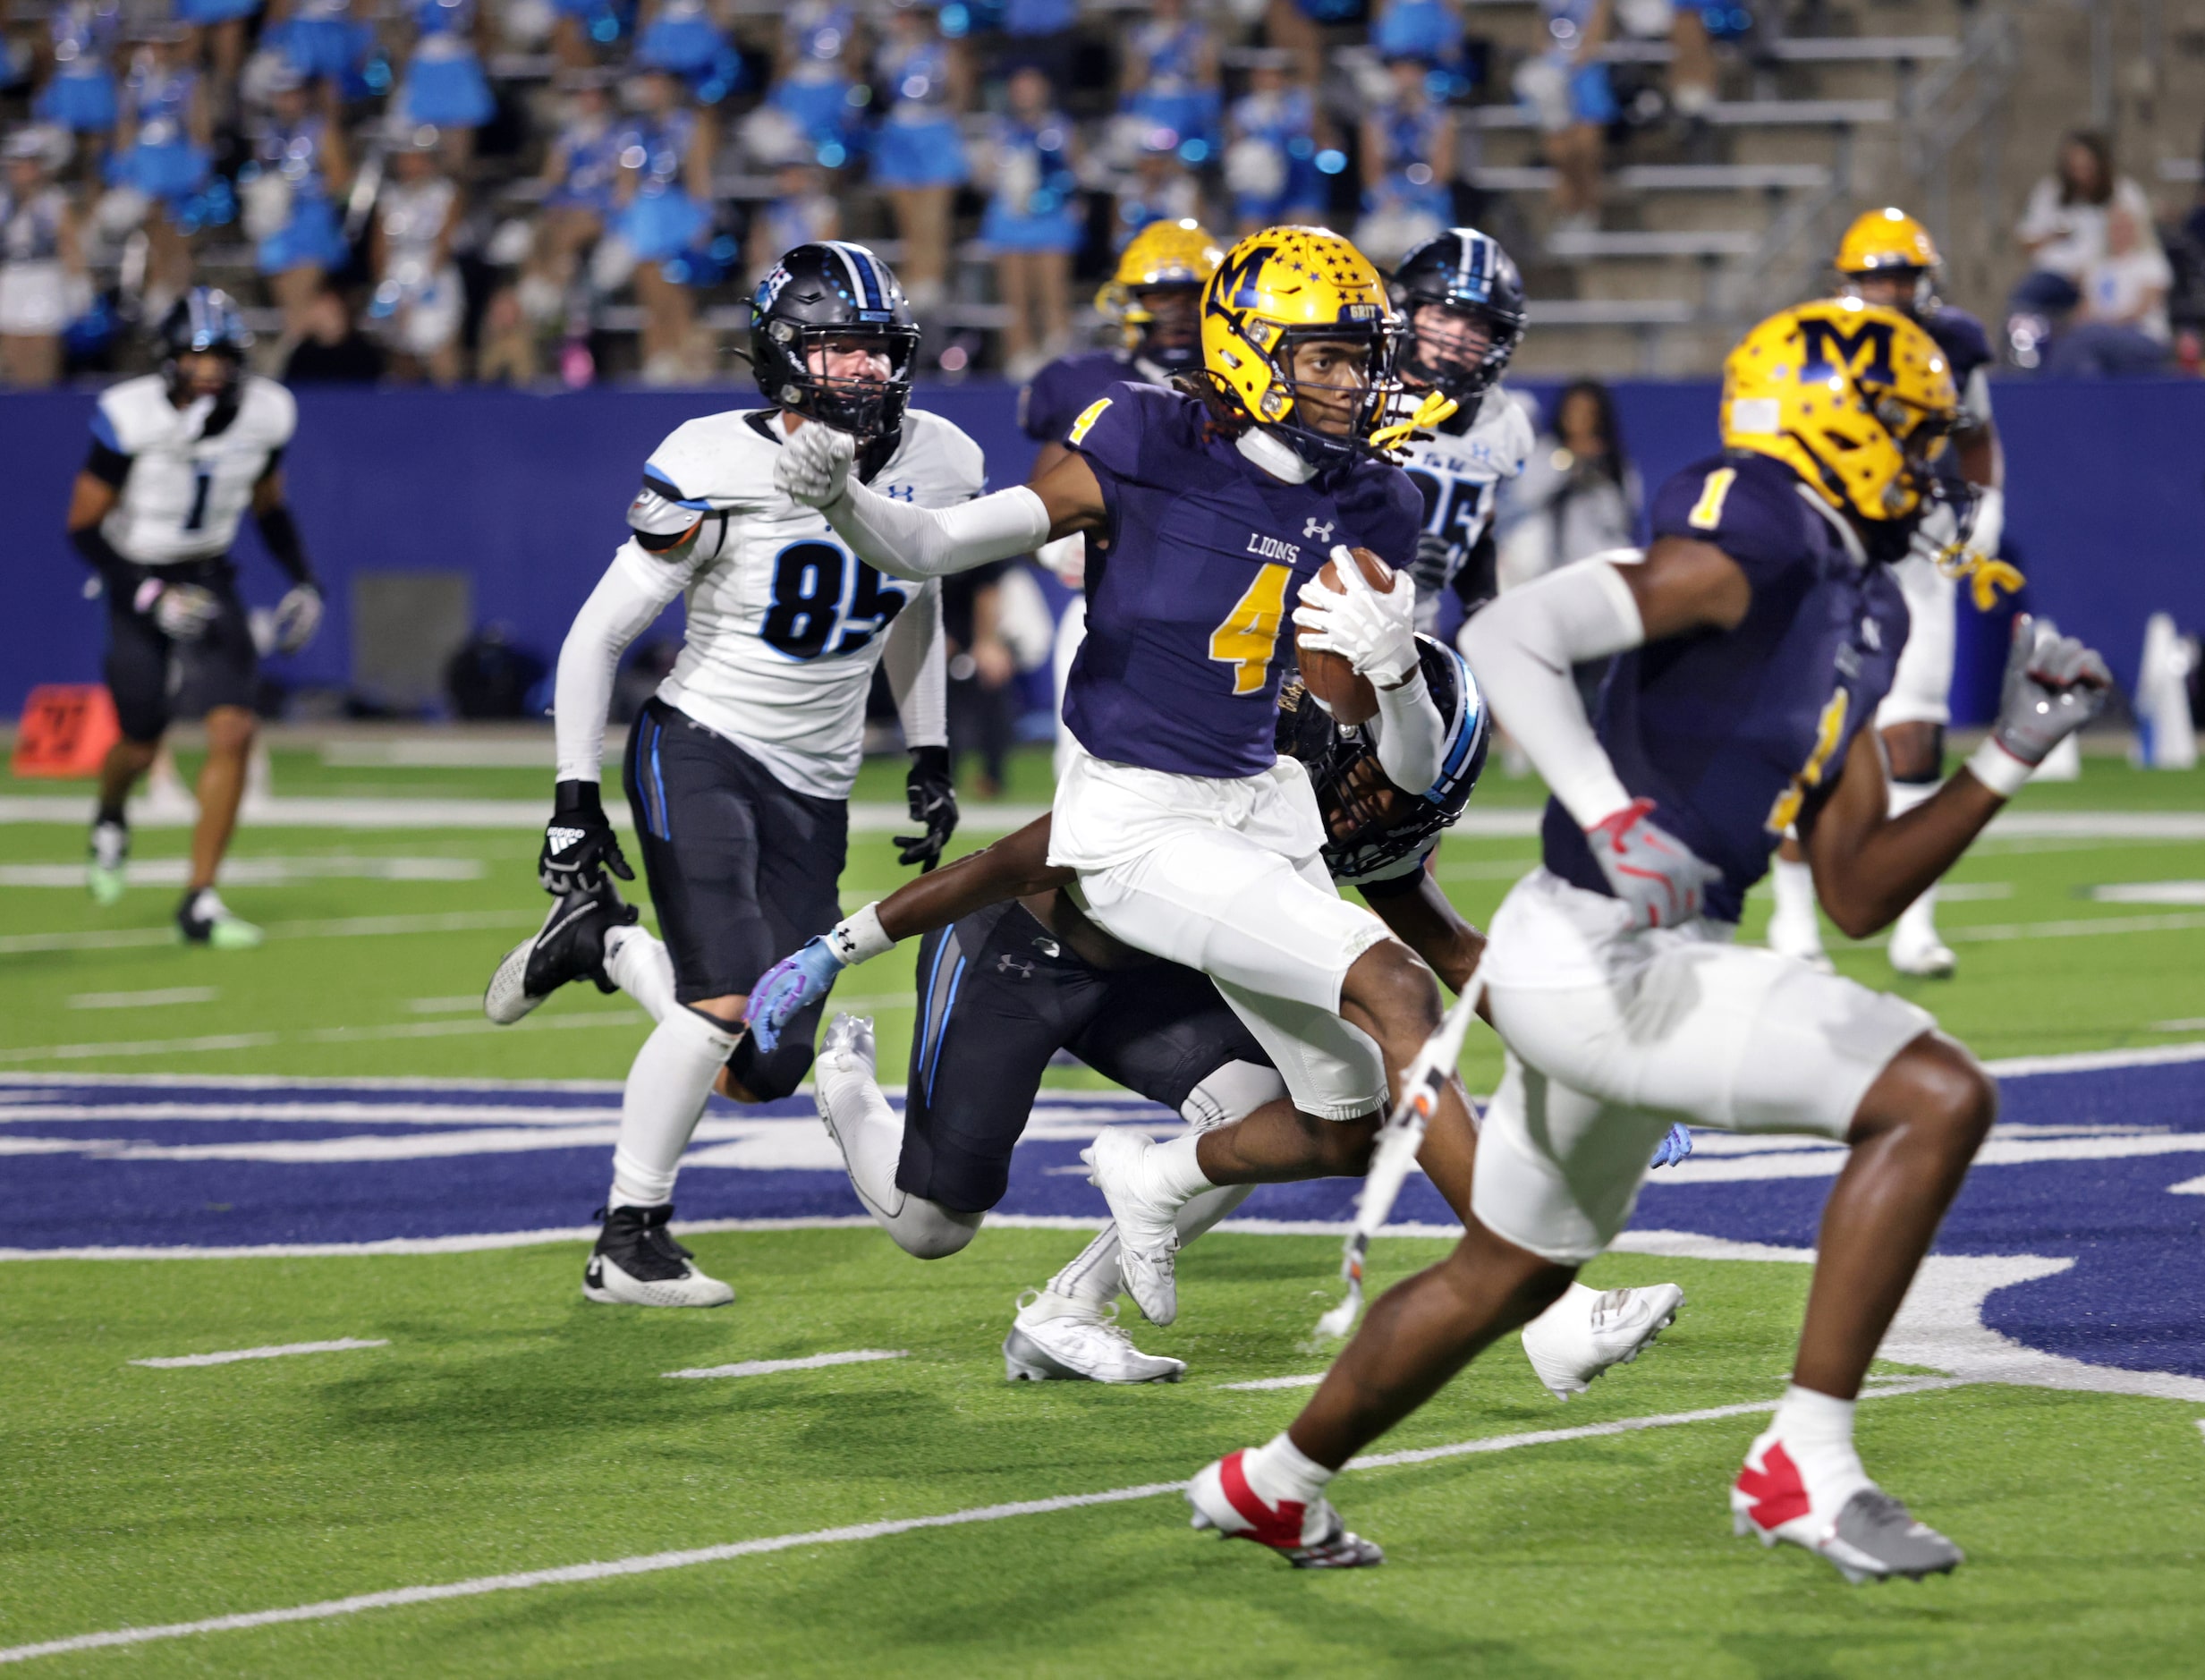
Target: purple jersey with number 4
(1734, 735)
(1188, 601)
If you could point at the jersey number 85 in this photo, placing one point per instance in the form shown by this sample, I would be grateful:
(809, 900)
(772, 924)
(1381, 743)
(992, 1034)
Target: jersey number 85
(826, 601)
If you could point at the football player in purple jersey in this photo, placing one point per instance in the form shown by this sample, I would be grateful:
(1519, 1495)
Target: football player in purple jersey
(1753, 644)
(1887, 258)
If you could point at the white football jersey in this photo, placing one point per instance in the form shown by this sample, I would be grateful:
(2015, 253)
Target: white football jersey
(785, 623)
(187, 491)
(1458, 477)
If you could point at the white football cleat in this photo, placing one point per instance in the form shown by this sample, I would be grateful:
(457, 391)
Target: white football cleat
(1308, 1537)
(1586, 1331)
(1147, 1240)
(637, 1263)
(1082, 1343)
(1799, 941)
(1872, 1536)
(1916, 950)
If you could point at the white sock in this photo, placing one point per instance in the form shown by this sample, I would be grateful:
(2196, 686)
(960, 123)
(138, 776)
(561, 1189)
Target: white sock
(1089, 1281)
(667, 1085)
(1918, 921)
(636, 961)
(870, 1135)
(1175, 1171)
(1816, 1432)
(1280, 1470)
(1795, 899)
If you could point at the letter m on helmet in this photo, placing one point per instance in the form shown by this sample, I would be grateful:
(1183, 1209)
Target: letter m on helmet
(1239, 284)
(1828, 348)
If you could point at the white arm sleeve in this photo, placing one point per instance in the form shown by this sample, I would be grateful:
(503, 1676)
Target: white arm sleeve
(633, 592)
(917, 543)
(1521, 650)
(918, 666)
(1411, 734)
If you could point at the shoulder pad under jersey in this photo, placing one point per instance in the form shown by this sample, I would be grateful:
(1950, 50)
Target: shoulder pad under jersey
(711, 464)
(268, 414)
(133, 414)
(937, 459)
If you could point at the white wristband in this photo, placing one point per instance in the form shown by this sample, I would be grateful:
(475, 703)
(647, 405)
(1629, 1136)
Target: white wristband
(859, 937)
(1998, 769)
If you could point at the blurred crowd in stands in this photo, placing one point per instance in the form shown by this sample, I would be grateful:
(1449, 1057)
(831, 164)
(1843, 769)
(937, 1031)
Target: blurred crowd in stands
(529, 190)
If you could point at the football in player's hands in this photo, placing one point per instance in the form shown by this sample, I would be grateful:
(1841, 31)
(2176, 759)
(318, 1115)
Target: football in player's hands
(1328, 672)
(814, 465)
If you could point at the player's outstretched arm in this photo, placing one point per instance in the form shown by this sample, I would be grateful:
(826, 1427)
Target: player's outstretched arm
(298, 615)
(1014, 867)
(1868, 865)
(907, 541)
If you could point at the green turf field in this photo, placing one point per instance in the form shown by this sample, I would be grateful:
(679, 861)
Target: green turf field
(508, 1426)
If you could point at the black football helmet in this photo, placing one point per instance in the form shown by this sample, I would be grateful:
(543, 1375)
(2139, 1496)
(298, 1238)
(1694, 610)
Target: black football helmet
(202, 320)
(1371, 826)
(1466, 270)
(833, 290)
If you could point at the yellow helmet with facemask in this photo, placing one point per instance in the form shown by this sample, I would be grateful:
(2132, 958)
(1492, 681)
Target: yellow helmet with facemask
(1284, 286)
(1890, 243)
(1855, 399)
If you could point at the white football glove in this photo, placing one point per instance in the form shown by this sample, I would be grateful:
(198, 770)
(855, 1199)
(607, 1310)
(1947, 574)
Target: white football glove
(814, 466)
(183, 611)
(298, 615)
(1376, 633)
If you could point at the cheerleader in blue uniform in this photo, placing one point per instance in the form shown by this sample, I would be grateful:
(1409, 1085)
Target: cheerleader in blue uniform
(1170, 78)
(682, 37)
(299, 168)
(444, 88)
(79, 95)
(1033, 220)
(664, 192)
(918, 150)
(1271, 164)
(320, 38)
(811, 88)
(1408, 160)
(163, 139)
(219, 29)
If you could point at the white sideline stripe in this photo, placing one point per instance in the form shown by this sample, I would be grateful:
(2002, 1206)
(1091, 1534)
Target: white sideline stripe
(767, 1367)
(2095, 1061)
(343, 1346)
(255, 871)
(1310, 1381)
(580, 1022)
(2002, 932)
(654, 1562)
(341, 927)
(282, 812)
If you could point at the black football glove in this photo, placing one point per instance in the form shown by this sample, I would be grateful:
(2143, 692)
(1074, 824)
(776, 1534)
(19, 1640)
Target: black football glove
(577, 842)
(1434, 564)
(933, 795)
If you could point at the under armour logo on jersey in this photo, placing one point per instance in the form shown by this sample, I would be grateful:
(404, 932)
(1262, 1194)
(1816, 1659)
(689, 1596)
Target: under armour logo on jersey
(1316, 532)
(561, 838)
(901, 492)
(1008, 964)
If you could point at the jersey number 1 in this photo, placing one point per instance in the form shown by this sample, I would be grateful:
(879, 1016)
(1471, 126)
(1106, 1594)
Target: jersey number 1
(202, 481)
(1248, 636)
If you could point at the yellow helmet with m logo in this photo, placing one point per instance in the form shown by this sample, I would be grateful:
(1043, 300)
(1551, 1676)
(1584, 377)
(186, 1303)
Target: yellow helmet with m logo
(1889, 244)
(1180, 254)
(1857, 400)
(1279, 288)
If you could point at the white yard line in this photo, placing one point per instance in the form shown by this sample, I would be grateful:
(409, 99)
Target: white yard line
(344, 1344)
(255, 871)
(342, 928)
(1310, 1381)
(655, 1563)
(866, 816)
(2000, 932)
(159, 997)
(767, 1367)
(581, 1021)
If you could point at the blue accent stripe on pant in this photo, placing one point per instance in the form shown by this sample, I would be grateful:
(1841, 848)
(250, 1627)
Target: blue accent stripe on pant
(664, 828)
(942, 1036)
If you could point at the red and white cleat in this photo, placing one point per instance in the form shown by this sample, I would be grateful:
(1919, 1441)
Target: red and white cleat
(1307, 1536)
(1870, 1536)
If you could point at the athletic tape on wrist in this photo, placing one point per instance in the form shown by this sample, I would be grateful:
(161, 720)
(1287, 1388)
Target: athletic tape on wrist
(1998, 769)
(859, 937)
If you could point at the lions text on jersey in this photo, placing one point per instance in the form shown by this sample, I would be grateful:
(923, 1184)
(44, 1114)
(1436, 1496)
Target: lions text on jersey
(1458, 474)
(785, 623)
(191, 470)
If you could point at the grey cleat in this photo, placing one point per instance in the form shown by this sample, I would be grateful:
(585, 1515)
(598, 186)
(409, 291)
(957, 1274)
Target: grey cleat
(1080, 1347)
(1876, 1537)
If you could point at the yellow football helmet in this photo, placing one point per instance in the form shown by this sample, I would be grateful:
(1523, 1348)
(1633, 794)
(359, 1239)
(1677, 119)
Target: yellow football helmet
(1282, 285)
(1162, 254)
(1856, 400)
(1888, 243)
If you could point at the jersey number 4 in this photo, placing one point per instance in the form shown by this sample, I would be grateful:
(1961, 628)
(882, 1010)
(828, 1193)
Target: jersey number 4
(1249, 637)
(824, 601)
